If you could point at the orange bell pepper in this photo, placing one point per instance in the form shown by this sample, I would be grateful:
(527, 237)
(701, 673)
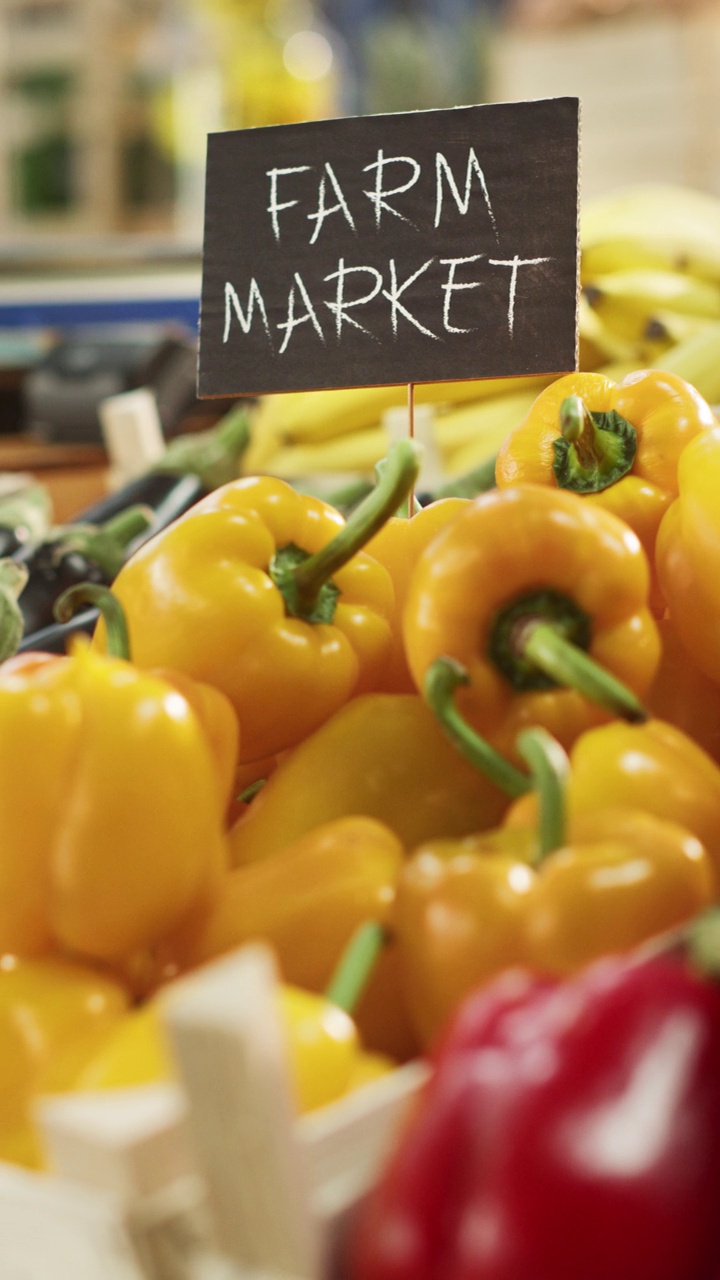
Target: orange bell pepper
(617, 444)
(109, 816)
(265, 593)
(532, 591)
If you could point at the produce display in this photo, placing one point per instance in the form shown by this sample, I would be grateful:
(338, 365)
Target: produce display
(457, 764)
(650, 275)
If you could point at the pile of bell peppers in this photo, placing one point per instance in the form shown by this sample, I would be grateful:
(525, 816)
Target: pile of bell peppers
(486, 730)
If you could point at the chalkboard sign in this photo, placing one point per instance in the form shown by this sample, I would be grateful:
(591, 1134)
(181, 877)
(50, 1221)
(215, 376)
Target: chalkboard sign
(380, 250)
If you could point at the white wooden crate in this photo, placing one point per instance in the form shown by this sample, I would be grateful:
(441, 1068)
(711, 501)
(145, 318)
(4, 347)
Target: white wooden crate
(213, 1178)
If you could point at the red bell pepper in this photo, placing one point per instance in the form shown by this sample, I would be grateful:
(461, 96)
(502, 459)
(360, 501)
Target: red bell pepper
(569, 1131)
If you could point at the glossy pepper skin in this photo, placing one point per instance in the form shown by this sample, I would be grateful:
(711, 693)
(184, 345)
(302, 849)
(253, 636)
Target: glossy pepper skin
(665, 413)
(306, 901)
(110, 817)
(54, 1016)
(682, 694)
(325, 1055)
(653, 766)
(199, 598)
(688, 553)
(568, 1130)
(398, 546)
(213, 709)
(465, 911)
(509, 557)
(383, 756)
(218, 720)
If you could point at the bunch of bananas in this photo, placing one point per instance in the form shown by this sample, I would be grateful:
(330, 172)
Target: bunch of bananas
(650, 272)
(650, 275)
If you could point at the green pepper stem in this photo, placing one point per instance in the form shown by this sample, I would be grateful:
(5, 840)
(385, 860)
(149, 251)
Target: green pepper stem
(102, 598)
(346, 499)
(572, 667)
(593, 450)
(479, 480)
(702, 940)
(214, 455)
(398, 475)
(550, 768)
(356, 965)
(442, 680)
(128, 524)
(106, 544)
(248, 793)
(578, 429)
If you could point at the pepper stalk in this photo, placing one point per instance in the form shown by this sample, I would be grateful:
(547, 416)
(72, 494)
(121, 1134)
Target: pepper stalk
(304, 580)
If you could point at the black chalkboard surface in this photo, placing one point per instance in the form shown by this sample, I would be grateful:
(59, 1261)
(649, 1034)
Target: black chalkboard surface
(378, 250)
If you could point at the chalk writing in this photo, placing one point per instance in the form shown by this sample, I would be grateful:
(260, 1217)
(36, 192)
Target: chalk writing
(391, 248)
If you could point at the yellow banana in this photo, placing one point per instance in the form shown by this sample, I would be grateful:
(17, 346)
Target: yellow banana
(357, 451)
(309, 417)
(480, 428)
(697, 360)
(450, 393)
(616, 370)
(646, 335)
(652, 226)
(604, 340)
(672, 327)
(313, 416)
(641, 292)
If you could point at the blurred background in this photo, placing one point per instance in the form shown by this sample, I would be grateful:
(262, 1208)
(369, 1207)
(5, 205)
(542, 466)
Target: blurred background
(106, 106)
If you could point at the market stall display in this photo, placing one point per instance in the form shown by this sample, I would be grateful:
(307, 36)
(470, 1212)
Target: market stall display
(446, 740)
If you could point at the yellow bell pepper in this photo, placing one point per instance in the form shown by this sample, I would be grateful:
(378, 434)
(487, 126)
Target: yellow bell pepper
(542, 599)
(266, 593)
(213, 709)
(306, 901)
(682, 694)
(397, 546)
(110, 827)
(688, 553)
(382, 755)
(617, 444)
(653, 766)
(326, 1058)
(551, 899)
(54, 1017)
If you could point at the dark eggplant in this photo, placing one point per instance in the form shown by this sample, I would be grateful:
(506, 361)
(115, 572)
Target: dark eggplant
(74, 553)
(94, 551)
(99, 540)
